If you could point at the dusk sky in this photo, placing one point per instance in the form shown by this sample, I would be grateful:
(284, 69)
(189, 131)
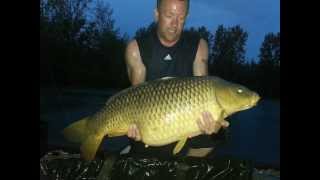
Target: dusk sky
(257, 17)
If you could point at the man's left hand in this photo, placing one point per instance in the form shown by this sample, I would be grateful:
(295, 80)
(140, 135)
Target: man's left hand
(208, 125)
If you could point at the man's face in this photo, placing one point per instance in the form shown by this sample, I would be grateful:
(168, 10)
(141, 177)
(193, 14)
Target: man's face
(171, 18)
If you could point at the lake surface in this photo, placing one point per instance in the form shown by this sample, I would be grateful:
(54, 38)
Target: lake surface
(254, 133)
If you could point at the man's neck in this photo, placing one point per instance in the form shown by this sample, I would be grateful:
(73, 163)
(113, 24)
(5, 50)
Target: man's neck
(166, 43)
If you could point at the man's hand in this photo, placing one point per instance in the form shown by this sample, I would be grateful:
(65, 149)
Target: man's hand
(208, 125)
(134, 133)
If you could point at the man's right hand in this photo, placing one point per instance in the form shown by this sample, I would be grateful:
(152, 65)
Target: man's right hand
(134, 133)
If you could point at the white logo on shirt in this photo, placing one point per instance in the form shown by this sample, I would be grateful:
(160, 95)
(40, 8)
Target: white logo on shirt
(168, 58)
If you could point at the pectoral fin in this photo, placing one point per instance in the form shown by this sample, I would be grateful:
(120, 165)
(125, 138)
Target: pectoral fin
(221, 116)
(180, 145)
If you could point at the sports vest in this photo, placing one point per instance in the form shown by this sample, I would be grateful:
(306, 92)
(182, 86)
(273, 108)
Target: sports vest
(161, 61)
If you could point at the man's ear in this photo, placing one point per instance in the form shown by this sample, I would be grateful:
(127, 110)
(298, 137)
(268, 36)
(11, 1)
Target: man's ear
(156, 14)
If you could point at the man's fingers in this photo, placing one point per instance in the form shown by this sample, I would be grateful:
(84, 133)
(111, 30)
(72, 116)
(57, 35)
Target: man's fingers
(208, 122)
(129, 132)
(216, 127)
(200, 124)
(211, 122)
(208, 125)
(138, 137)
(225, 124)
(134, 130)
(207, 117)
(136, 133)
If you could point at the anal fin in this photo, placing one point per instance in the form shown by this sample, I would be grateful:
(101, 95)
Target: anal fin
(180, 145)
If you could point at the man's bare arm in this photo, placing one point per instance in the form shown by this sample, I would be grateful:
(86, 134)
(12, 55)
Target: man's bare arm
(136, 72)
(135, 67)
(200, 65)
(200, 68)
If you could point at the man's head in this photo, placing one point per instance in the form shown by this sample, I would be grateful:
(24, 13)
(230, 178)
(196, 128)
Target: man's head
(186, 2)
(170, 16)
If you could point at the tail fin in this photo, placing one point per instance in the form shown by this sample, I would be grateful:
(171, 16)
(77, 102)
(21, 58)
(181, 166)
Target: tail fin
(77, 132)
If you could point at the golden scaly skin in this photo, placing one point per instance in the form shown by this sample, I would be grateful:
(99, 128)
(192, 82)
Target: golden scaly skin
(166, 110)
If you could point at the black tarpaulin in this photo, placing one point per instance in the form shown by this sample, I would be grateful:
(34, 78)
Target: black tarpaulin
(59, 165)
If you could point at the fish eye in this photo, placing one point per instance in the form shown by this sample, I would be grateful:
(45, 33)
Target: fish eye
(239, 90)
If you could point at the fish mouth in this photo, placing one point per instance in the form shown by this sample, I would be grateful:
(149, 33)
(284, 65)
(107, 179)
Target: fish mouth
(255, 99)
(254, 102)
(248, 106)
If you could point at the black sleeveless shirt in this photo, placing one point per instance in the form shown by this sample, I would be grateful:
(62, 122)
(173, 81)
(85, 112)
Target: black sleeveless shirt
(161, 61)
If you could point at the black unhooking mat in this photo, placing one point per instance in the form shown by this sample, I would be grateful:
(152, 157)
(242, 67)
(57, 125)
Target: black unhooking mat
(60, 165)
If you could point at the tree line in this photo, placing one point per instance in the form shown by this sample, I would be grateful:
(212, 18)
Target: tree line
(81, 47)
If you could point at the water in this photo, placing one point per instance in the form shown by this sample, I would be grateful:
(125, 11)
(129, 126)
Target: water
(255, 133)
(60, 107)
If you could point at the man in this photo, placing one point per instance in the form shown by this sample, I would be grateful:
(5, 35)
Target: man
(168, 51)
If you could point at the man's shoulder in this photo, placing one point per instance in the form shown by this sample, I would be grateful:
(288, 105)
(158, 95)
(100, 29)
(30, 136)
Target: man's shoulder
(132, 44)
(139, 42)
(132, 47)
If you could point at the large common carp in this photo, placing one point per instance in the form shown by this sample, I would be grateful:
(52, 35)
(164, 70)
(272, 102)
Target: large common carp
(164, 110)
